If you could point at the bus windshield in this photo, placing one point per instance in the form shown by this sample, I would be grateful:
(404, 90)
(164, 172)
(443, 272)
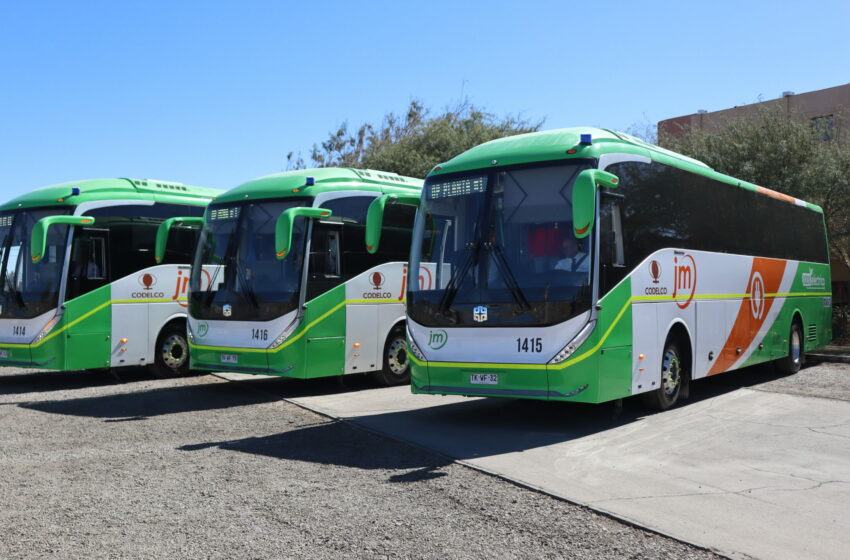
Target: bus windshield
(236, 275)
(504, 248)
(30, 289)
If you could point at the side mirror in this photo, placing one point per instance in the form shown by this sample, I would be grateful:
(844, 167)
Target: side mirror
(165, 227)
(283, 227)
(375, 217)
(584, 198)
(38, 242)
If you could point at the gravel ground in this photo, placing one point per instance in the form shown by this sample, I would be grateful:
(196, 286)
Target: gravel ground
(202, 468)
(825, 380)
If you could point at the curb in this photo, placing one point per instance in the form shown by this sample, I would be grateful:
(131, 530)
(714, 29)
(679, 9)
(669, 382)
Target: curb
(730, 555)
(834, 358)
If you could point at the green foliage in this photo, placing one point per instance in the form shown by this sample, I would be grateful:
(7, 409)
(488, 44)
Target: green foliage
(414, 143)
(785, 154)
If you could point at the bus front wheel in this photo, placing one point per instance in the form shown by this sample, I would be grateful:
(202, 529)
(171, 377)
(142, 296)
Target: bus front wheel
(672, 378)
(172, 352)
(396, 370)
(792, 363)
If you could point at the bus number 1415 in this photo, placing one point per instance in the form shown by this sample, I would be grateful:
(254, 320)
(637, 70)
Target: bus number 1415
(529, 345)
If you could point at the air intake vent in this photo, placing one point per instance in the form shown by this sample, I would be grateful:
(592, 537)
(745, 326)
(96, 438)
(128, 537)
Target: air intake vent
(812, 334)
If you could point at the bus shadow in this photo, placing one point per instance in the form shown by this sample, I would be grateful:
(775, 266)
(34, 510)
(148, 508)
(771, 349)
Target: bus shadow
(286, 387)
(339, 444)
(40, 381)
(141, 405)
(488, 427)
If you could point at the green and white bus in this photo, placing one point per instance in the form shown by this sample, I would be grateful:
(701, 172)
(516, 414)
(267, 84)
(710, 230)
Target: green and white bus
(587, 265)
(282, 283)
(80, 286)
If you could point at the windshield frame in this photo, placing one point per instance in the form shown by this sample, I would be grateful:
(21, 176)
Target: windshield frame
(31, 308)
(585, 296)
(250, 307)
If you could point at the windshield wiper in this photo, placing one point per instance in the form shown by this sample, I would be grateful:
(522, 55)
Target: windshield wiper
(247, 289)
(10, 288)
(510, 279)
(472, 250)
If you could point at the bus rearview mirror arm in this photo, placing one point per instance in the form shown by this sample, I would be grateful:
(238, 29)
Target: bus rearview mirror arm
(283, 227)
(165, 227)
(375, 216)
(584, 198)
(38, 242)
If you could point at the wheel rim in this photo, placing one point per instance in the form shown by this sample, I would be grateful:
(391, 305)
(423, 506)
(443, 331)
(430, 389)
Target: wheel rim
(174, 351)
(796, 345)
(671, 374)
(397, 356)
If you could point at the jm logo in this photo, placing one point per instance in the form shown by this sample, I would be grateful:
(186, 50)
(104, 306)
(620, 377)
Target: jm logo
(685, 280)
(479, 314)
(438, 339)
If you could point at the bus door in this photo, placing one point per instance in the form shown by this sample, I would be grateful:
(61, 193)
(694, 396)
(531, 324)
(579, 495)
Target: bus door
(325, 343)
(87, 297)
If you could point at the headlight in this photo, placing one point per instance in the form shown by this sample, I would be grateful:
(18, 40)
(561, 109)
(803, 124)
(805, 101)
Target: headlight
(47, 328)
(414, 348)
(574, 344)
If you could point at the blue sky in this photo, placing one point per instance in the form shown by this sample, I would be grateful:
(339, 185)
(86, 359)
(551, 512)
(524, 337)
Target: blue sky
(216, 93)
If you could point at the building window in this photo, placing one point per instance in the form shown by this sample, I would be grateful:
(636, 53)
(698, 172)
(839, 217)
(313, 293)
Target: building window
(824, 127)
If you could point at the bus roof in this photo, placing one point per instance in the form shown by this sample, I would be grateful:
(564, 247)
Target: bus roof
(325, 179)
(91, 190)
(552, 145)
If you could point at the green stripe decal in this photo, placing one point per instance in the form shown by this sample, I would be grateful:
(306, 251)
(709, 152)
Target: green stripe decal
(301, 333)
(83, 318)
(602, 340)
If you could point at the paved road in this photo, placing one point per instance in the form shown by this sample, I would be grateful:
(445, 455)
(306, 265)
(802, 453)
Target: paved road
(755, 465)
(202, 468)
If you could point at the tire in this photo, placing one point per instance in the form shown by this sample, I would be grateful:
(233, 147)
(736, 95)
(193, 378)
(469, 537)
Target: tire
(396, 370)
(796, 357)
(171, 353)
(673, 376)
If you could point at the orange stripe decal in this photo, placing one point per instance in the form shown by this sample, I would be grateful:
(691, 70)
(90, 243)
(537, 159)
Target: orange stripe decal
(765, 278)
(774, 194)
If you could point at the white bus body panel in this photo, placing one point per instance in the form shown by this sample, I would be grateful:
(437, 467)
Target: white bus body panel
(708, 293)
(494, 344)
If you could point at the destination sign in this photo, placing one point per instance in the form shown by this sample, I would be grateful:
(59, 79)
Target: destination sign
(226, 213)
(459, 187)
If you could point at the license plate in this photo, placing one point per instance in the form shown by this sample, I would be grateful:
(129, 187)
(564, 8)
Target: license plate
(484, 378)
(4, 354)
(229, 359)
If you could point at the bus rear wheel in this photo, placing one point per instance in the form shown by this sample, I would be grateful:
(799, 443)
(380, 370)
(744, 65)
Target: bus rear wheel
(396, 370)
(792, 363)
(171, 352)
(672, 378)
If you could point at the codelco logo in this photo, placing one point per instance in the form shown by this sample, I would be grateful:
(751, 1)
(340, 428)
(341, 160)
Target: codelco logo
(147, 281)
(655, 274)
(813, 282)
(377, 280)
(685, 280)
(437, 339)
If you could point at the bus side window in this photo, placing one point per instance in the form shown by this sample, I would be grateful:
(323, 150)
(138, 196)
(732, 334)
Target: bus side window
(611, 251)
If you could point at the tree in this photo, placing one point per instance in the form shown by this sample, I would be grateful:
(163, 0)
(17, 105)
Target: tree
(414, 143)
(785, 154)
